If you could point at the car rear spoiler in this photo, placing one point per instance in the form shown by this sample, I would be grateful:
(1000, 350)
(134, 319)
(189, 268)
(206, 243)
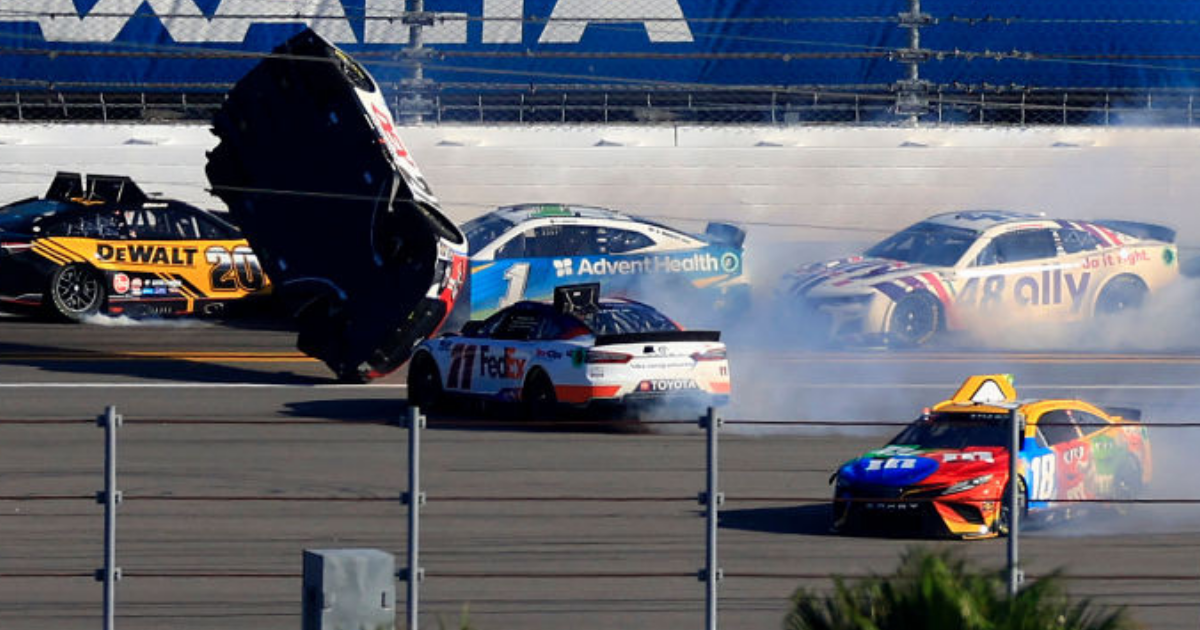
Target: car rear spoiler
(725, 234)
(658, 336)
(1140, 230)
(1128, 413)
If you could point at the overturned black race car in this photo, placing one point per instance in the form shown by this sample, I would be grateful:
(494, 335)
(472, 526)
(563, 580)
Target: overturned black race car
(313, 171)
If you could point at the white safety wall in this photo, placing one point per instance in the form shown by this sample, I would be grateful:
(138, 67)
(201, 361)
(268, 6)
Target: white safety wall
(810, 184)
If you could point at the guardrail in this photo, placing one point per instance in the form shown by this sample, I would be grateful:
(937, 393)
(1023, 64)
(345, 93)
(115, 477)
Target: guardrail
(711, 498)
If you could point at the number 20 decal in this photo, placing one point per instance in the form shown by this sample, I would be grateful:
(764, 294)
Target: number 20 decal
(234, 270)
(1043, 471)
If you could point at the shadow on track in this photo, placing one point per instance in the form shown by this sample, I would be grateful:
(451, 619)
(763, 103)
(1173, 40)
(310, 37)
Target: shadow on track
(495, 418)
(809, 520)
(150, 368)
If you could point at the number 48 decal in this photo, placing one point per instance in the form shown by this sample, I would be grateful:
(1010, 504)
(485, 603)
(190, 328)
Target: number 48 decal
(234, 270)
(1042, 473)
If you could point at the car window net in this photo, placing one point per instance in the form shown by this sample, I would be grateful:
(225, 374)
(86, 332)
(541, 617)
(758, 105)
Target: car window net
(956, 431)
(619, 319)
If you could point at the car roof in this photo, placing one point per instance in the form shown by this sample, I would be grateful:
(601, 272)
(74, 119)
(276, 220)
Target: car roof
(981, 220)
(523, 212)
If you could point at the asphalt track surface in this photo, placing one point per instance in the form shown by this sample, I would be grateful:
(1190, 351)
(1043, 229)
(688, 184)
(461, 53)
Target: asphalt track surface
(237, 454)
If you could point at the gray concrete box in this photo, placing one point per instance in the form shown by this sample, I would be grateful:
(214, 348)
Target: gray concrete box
(349, 589)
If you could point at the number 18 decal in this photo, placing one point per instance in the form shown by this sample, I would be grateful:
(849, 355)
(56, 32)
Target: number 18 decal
(1042, 473)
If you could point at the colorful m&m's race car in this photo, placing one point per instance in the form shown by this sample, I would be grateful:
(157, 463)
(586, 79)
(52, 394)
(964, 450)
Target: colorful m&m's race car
(948, 472)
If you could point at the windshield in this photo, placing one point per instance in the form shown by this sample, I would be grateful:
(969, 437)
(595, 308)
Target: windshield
(956, 431)
(926, 243)
(481, 231)
(618, 318)
(19, 217)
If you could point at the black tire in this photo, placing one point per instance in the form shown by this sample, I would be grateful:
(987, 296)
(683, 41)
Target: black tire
(75, 292)
(914, 321)
(538, 400)
(1023, 498)
(1124, 293)
(424, 383)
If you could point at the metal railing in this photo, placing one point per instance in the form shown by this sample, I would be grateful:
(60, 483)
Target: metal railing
(578, 105)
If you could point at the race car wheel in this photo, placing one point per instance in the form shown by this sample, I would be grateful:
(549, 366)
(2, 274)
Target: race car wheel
(538, 397)
(76, 292)
(1124, 293)
(424, 383)
(1022, 498)
(915, 320)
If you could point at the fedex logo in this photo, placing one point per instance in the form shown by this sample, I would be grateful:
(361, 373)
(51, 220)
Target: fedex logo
(230, 21)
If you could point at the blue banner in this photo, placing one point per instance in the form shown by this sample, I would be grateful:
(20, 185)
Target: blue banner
(140, 44)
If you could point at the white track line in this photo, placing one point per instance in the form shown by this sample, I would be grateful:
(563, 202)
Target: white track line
(199, 386)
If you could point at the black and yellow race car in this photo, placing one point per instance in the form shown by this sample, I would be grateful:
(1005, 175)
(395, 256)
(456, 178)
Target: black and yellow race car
(100, 245)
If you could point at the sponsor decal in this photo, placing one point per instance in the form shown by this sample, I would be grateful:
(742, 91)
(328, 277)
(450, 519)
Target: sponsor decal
(1168, 256)
(553, 355)
(1051, 287)
(135, 286)
(1123, 257)
(730, 262)
(973, 456)
(120, 283)
(1075, 454)
(505, 365)
(664, 385)
(563, 267)
(892, 463)
(698, 262)
(230, 21)
(147, 254)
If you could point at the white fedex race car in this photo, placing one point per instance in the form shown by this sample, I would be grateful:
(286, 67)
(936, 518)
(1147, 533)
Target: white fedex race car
(981, 271)
(580, 351)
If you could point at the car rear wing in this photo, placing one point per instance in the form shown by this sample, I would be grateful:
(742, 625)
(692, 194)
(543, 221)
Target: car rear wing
(1140, 230)
(1126, 413)
(658, 337)
(725, 234)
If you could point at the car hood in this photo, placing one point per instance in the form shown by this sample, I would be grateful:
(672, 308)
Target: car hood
(852, 276)
(314, 172)
(903, 466)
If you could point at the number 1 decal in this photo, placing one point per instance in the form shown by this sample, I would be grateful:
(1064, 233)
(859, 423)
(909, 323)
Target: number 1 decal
(517, 277)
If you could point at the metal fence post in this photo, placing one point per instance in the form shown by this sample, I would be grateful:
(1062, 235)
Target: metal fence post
(712, 500)
(414, 499)
(1015, 575)
(110, 497)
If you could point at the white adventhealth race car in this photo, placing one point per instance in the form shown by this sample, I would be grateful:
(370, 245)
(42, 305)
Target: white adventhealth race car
(981, 271)
(580, 351)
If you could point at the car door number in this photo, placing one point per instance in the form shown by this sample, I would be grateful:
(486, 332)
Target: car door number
(234, 270)
(1042, 472)
(517, 277)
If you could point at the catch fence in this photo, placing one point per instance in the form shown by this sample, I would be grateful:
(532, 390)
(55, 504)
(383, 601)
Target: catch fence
(614, 105)
(1175, 589)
